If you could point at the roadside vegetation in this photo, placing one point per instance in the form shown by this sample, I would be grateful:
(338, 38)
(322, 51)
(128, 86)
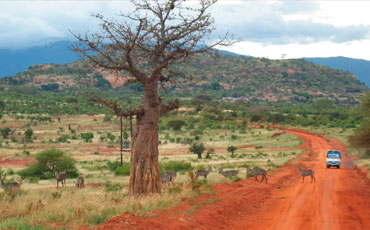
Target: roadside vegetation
(91, 144)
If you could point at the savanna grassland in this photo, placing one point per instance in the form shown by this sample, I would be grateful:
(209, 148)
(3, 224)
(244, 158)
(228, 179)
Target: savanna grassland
(92, 143)
(41, 205)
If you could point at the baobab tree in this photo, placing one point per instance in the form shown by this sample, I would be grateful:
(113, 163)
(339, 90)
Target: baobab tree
(144, 46)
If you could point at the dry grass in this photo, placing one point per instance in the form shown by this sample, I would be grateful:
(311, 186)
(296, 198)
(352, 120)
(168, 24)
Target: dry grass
(40, 205)
(78, 207)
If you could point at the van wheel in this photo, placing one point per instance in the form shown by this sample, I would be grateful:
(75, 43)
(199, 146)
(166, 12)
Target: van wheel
(328, 166)
(338, 166)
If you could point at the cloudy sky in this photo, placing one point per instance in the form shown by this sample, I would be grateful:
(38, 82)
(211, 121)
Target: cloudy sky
(272, 29)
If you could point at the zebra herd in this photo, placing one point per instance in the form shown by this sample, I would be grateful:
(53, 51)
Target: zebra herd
(168, 177)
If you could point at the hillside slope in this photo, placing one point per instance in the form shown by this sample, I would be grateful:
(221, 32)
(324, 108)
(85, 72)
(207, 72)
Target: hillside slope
(220, 75)
(359, 67)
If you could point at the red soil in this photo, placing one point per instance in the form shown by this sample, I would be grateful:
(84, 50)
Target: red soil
(15, 162)
(277, 134)
(338, 200)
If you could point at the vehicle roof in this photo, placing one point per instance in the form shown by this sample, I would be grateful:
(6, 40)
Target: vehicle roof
(334, 151)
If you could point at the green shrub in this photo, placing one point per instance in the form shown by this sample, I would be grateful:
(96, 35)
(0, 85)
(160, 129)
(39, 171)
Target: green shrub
(175, 166)
(109, 187)
(19, 224)
(197, 148)
(176, 124)
(63, 138)
(175, 190)
(96, 219)
(106, 214)
(201, 167)
(48, 163)
(113, 165)
(28, 134)
(199, 183)
(107, 118)
(123, 170)
(87, 137)
(33, 180)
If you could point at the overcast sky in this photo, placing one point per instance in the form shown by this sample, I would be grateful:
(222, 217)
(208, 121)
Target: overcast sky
(272, 29)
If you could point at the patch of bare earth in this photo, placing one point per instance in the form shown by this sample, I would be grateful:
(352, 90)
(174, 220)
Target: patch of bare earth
(337, 200)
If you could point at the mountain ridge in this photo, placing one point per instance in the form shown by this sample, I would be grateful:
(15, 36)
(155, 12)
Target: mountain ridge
(359, 67)
(219, 75)
(15, 61)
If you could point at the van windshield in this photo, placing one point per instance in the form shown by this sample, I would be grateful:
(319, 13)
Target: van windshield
(333, 156)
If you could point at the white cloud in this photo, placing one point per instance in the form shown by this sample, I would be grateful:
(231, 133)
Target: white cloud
(29, 23)
(295, 50)
(267, 28)
(282, 23)
(26, 31)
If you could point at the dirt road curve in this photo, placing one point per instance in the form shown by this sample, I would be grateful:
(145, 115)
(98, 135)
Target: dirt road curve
(340, 199)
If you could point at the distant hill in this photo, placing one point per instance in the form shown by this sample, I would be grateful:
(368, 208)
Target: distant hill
(219, 76)
(15, 61)
(359, 67)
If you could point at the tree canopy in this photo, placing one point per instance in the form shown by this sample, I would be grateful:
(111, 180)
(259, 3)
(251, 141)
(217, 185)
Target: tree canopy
(48, 163)
(361, 138)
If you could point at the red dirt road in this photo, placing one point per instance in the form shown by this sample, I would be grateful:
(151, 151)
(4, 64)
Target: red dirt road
(340, 199)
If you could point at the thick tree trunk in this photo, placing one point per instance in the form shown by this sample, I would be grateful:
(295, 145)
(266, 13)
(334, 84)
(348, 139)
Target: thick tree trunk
(144, 172)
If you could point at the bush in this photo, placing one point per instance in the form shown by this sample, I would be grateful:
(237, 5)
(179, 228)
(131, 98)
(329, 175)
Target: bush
(175, 166)
(109, 187)
(87, 137)
(197, 148)
(105, 215)
(175, 190)
(63, 138)
(107, 118)
(19, 224)
(123, 170)
(199, 183)
(33, 180)
(236, 179)
(5, 132)
(50, 87)
(176, 124)
(48, 163)
(113, 165)
(209, 152)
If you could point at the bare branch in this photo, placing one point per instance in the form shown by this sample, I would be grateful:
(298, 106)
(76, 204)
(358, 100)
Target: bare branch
(169, 106)
(113, 105)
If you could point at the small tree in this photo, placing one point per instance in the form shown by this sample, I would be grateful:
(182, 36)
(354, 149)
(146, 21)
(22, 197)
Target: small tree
(2, 173)
(361, 138)
(258, 111)
(197, 148)
(87, 137)
(5, 132)
(2, 105)
(28, 134)
(176, 124)
(231, 149)
(209, 152)
(48, 163)
(125, 135)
